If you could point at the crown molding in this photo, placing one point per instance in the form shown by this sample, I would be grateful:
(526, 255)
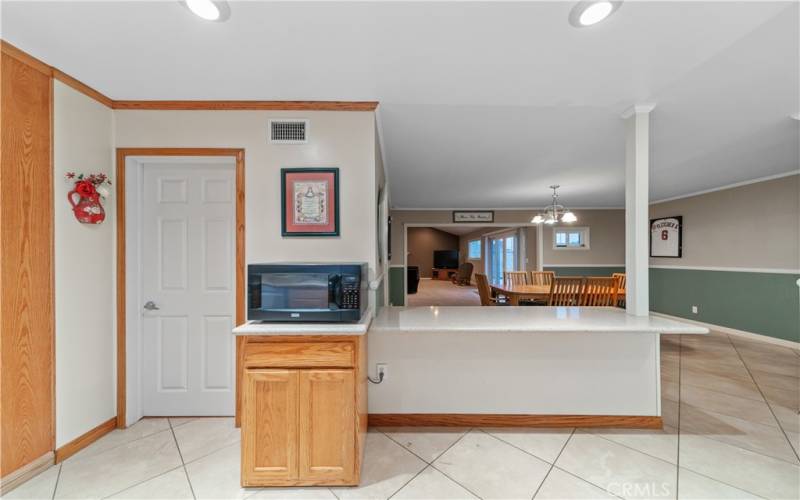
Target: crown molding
(246, 105)
(638, 109)
(728, 186)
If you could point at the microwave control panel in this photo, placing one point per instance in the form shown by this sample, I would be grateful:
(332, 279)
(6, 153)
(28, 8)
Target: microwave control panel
(351, 292)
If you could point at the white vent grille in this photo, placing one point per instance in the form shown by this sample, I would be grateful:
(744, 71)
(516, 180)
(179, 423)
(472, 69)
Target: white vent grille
(288, 131)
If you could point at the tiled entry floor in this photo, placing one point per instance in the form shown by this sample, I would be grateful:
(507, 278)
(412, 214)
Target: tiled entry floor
(732, 431)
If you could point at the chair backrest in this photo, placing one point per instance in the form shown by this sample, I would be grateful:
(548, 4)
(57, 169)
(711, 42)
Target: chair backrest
(483, 289)
(465, 271)
(566, 291)
(621, 278)
(515, 277)
(542, 277)
(600, 291)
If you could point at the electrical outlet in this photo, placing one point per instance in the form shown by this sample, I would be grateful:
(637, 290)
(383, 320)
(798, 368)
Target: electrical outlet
(382, 369)
(694, 309)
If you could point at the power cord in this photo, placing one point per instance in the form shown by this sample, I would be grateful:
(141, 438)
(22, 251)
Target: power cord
(380, 378)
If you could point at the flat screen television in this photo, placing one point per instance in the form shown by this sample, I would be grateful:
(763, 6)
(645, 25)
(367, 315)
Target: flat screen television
(445, 259)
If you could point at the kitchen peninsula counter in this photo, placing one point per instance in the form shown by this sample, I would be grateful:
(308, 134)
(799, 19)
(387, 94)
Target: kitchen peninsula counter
(524, 319)
(518, 366)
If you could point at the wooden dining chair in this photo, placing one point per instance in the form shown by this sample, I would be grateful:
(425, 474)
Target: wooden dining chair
(542, 277)
(515, 277)
(485, 291)
(600, 291)
(566, 291)
(620, 295)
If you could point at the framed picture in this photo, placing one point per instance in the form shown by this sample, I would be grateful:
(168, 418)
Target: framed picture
(473, 216)
(666, 235)
(310, 201)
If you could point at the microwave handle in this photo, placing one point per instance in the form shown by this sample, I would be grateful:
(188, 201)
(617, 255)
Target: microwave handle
(336, 289)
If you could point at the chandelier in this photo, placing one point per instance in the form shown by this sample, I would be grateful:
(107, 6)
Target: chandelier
(554, 212)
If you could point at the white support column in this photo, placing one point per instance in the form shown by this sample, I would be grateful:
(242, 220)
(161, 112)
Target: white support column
(539, 248)
(637, 216)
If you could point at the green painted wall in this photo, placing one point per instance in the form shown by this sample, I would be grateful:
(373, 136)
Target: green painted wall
(396, 284)
(585, 271)
(764, 303)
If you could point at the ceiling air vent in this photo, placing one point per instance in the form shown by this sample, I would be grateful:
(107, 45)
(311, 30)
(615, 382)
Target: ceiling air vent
(288, 131)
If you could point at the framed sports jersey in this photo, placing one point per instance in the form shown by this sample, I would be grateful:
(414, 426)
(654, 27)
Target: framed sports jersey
(666, 237)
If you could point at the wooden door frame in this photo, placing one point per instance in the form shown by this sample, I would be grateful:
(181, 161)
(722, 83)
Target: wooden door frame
(122, 156)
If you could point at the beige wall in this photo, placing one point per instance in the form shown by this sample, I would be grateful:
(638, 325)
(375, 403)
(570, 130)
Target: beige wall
(84, 270)
(337, 139)
(422, 242)
(753, 226)
(401, 217)
(607, 235)
(606, 241)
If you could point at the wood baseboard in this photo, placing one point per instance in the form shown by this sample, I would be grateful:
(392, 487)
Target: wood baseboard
(85, 440)
(500, 420)
(26, 472)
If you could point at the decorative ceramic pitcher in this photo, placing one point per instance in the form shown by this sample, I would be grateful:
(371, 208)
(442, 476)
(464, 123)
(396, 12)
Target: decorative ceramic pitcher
(88, 209)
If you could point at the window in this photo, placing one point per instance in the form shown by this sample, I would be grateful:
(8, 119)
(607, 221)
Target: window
(571, 238)
(474, 249)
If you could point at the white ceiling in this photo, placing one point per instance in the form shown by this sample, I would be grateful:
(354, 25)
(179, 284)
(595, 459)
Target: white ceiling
(483, 105)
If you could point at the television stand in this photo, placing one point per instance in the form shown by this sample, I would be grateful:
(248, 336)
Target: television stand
(443, 274)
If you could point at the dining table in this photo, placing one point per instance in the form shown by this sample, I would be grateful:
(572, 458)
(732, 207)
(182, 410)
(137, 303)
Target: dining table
(518, 292)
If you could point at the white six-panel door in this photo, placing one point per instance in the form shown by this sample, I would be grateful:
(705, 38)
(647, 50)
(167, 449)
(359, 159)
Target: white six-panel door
(188, 253)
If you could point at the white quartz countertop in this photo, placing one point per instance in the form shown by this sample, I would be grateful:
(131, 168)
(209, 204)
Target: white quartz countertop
(524, 319)
(258, 328)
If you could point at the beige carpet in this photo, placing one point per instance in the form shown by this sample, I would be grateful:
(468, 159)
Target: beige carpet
(444, 293)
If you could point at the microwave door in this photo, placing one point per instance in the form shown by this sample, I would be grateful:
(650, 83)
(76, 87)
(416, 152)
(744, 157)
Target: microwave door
(295, 291)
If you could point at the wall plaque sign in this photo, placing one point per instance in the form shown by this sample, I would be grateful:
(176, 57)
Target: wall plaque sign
(473, 216)
(310, 201)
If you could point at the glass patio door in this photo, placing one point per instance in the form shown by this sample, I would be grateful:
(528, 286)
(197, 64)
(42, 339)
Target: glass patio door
(503, 256)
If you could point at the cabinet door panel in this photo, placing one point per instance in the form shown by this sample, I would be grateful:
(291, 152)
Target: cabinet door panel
(269, 426)
(327, 424)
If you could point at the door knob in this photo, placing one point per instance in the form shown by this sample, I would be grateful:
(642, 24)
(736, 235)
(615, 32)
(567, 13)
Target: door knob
(151, 306)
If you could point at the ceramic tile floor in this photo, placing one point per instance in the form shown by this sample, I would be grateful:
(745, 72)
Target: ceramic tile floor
(731, 430)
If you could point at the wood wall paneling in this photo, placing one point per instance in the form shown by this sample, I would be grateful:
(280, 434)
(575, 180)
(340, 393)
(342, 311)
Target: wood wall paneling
(26, 264)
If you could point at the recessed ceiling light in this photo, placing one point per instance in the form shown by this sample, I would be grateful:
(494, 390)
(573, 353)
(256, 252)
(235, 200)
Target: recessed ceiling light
(210, 10)
(795, 116)
(591, 12)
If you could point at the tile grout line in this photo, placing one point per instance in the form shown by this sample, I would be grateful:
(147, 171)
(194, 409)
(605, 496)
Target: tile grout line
(447, 475)
(427, 466)
(783, 431)
(553, 464)
(180, 454)
(706, 437)
(138, 483)
(526, 451)
(58, 476)
(430, 464)
(678, 469)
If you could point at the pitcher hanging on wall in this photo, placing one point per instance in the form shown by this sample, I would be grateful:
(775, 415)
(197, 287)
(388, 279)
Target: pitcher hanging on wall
(88, 189)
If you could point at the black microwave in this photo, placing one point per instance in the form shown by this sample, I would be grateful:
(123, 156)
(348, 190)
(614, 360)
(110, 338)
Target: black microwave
(334, 293)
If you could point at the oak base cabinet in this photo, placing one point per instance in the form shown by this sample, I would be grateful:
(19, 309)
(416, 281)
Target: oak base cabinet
(303, 411)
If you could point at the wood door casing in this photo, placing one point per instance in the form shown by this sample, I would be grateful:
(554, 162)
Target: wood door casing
(26, 266)
(270, 427)
(327, 424)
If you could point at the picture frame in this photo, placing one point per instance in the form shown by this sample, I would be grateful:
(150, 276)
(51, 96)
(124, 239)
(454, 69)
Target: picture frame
(666, 237)
(310, 202)
(473, 216)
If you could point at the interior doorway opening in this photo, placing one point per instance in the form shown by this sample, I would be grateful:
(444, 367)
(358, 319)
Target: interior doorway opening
(442, 260)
